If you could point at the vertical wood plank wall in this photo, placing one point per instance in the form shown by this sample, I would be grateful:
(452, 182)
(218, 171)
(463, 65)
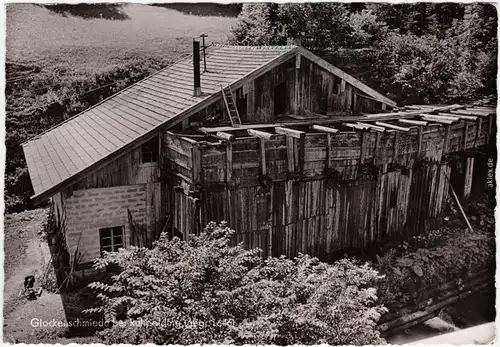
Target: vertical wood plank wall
(375, 187)
(309, 88)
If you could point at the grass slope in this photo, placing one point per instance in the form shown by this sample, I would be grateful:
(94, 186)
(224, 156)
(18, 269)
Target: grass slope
(36, 35)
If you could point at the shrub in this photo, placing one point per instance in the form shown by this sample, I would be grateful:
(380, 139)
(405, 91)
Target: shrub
(206, 291)
(427, 261)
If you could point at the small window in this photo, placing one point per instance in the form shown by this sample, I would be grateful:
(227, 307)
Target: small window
(150, 151)
(111, 239)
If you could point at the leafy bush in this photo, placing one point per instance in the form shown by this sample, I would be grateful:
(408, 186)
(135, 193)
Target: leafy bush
(206, 291)
(425, 262)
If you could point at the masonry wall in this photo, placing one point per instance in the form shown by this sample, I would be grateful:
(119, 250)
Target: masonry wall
(89, 210)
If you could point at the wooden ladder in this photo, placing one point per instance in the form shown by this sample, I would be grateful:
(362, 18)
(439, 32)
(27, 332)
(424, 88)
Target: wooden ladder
(231, 107)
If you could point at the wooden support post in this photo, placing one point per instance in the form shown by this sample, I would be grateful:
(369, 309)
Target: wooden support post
(289, 154)
(300, 155)
(396, 146)
(490, 127)
(297, 105)
(377, 146)
(229, 162)
(196, 164)
(419, 148)
(469, 172)
(447, 139)
(364, 140)
(263, 170)
(328, 150)
(464, 140)
(479, 123)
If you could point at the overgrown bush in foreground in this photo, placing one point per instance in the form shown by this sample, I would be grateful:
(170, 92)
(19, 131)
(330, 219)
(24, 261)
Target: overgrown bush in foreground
(428, 261)
(207, 291)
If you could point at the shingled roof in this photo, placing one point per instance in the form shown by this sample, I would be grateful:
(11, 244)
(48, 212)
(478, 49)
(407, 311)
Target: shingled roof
(130, 117)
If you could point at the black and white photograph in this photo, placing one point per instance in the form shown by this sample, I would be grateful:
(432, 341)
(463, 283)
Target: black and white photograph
(257, 173)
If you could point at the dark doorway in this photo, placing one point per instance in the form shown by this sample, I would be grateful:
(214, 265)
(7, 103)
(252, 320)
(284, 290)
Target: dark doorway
(280, 99)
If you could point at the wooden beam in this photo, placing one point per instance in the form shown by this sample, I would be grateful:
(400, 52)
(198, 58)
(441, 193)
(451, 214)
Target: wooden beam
(324, 129)
(441, 116)
(459, 116)
(412, 122)
(261, 134)
(372, 126)
(289, 132)
(336, 120)
(224, 136)
(436, 119)
(472, 113)
(191, 141)
(355, 126)
(392, 126)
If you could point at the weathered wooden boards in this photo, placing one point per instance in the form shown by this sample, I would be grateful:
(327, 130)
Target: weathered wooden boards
(329, 189)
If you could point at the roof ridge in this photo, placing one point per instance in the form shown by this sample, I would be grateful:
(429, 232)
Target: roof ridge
(255, 47)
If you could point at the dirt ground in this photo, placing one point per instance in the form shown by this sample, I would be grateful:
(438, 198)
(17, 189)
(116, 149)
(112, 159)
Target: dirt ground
(26, 253)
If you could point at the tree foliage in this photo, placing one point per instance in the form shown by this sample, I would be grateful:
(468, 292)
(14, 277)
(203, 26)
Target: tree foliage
(207, 291)
(321, 27)
(418, 53)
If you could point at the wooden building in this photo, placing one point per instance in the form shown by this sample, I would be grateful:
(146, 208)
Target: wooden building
(294, 153)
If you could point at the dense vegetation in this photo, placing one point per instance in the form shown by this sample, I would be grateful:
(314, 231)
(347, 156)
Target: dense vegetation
(414, 53)
(419, 266)
(206, 291)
